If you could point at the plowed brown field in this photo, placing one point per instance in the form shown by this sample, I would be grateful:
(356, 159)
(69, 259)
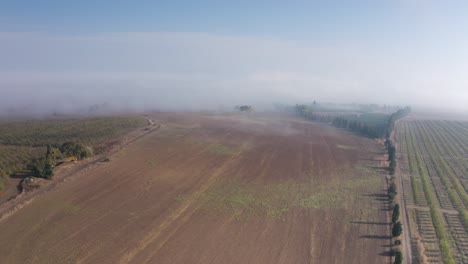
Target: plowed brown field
(214, 189)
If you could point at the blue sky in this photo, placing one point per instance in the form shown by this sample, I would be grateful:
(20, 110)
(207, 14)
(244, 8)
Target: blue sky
(389, 51)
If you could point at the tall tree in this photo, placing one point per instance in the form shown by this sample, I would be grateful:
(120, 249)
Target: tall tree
(396, 213)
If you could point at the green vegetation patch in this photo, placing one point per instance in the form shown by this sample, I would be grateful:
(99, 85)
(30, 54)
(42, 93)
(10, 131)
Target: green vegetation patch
(223, 150)
(58, 131)
(244, 200)
(24, 141)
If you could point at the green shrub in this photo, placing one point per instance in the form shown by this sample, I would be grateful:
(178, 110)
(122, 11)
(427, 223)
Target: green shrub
(396, 213)
(43, 168)
(70, 149)
(398, 256)
(397, 229)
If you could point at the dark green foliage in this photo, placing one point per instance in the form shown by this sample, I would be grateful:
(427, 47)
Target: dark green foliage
(397, 242)
(244, 108)
(73, 149)
(23, 142)
(53, 154)
(366, 124)
(391, 151)
(392, 191)
(392, 167)
(391, 155)
(397, 229)
(42, 168)
(398, 256)
(396, 213)
(373, 125)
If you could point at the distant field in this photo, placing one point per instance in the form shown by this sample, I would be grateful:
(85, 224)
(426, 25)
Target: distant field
(434, 165)
(22, 141)
(215, 189)
(85, 130)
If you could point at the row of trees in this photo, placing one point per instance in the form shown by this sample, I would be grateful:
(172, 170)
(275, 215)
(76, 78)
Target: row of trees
(391, 150)
(44, 167)
(359, 127)
(394, 117)
(356, 127)
(397, 227)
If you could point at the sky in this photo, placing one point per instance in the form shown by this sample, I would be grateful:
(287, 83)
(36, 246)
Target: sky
(211, 54)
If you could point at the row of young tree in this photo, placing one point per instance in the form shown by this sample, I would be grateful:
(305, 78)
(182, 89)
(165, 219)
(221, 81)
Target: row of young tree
(357, 127)
(397, 227)
(44, 167)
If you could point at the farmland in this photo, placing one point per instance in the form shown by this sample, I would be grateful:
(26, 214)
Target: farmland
(23, 141)
(215, 189)
(433, 157)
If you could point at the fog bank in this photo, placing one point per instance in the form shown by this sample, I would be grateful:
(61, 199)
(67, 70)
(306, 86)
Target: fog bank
(190, 71)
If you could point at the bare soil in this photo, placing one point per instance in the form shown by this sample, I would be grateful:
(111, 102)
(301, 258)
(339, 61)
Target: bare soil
(214, 189)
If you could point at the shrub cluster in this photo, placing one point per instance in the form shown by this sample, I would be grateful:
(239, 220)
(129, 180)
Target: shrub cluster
(44, 167)
(73, 149)
(397, 229)
(398, 256)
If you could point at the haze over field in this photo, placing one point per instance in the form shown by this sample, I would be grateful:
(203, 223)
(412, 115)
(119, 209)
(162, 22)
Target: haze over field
(208, 54)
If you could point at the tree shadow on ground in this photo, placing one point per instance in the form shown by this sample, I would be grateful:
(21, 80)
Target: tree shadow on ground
(385, 209)
(382, 169)
(387, 253)
(378, 237)
(378, 195)
(21, 175)
(369, 223)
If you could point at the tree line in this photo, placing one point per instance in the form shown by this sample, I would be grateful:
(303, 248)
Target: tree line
(394, 117)
(397, 228)
(357, 127)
